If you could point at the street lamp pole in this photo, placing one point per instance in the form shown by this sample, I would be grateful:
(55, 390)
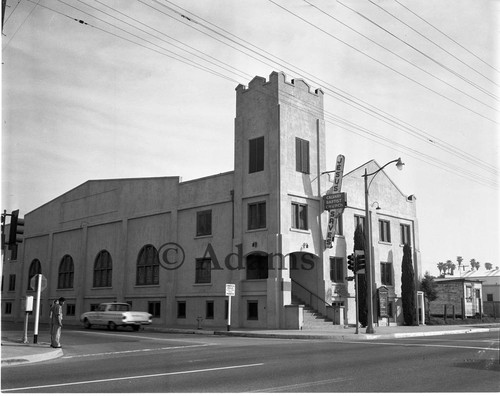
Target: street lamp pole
(368, 245)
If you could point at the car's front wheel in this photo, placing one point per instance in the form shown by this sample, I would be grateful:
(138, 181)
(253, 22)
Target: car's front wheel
(112, 326)
(87, 324)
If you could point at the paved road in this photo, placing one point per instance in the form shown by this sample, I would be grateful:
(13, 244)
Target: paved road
(101, 361)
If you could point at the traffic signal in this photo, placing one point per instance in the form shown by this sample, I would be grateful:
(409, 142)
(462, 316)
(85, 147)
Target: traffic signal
(16, 232)
(360, 260)
(351, 262)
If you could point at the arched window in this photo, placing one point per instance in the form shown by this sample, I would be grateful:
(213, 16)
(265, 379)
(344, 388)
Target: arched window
(257, 266)
(35, 268)
(103, 269)
(148, 266)
(66, 273)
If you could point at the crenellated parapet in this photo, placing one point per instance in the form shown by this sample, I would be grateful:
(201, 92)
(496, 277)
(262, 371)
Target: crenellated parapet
(278, 79)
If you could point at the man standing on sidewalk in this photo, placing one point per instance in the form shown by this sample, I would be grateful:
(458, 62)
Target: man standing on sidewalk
(56, 323)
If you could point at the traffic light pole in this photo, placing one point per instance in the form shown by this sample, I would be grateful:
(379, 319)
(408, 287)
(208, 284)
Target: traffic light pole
(356, 297)
(368, 260)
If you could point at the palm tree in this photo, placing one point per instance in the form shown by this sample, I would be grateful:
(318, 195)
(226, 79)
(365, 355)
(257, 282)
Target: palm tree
(450, 267)
(459, 261)
(442, 268)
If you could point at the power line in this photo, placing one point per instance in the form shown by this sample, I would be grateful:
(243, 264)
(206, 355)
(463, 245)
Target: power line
(433, 42)
(174, 45)
(419, 51)
(367, 108)
(385, 65)
(22, 23)
(477, 177)
(400, 57)
(446, 35)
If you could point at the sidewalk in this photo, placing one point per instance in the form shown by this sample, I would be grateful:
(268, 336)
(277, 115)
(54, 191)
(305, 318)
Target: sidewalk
(14, 351)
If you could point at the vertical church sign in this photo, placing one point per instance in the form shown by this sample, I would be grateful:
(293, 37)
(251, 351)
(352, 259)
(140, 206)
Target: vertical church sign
(335, 213)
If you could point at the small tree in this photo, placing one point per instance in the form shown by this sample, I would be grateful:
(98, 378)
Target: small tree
(428, 286)
(359, 244)
(408, 287)
(488, 266)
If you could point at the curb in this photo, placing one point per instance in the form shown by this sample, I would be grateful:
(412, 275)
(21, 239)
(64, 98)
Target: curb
(349, 336)
(29, 358)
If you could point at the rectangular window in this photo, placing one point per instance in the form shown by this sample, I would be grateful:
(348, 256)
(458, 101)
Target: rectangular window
(12, 282)
(405, 234)
(204, 223)
(256, 155)
(253, 310)
(203, 271)
(299, 216)
(154, 308)
(301, 155)
(385, 230)
(8, 308)
(209, 311)
(256, 215)
(386, 274)
(70, 309)
(489, 297)
(337, 269)
(359, 220)
(181, 309)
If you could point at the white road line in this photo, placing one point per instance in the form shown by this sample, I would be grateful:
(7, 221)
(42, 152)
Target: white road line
(135, 351)
(292, 387)
(421, 345)
(133, 377)
(141, 337)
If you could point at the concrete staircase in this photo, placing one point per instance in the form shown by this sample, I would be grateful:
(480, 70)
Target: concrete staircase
(312, 319)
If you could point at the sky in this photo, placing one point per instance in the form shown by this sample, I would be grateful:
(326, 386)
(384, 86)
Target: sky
(103, 89)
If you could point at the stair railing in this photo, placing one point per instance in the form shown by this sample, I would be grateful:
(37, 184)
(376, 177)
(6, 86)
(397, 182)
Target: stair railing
(311, 294)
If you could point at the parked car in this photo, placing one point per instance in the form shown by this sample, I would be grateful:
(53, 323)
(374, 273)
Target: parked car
(115, 314)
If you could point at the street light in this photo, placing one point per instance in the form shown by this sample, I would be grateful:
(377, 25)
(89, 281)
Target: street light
(368, 242)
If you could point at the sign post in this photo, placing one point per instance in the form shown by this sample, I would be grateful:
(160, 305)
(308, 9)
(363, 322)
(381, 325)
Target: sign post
(41, 283)
(230, 291)
(28, 308)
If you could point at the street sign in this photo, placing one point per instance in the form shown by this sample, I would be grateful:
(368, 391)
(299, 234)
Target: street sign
(230, 289)
(34, 282)
(335, 201)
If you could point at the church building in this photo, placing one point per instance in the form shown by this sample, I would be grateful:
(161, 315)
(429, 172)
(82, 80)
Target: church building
(170, 247)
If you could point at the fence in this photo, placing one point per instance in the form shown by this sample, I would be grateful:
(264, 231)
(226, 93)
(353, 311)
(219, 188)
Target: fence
(491, 308)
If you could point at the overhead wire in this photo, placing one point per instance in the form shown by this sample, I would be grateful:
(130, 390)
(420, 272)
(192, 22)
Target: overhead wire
(22, 23)
(340, 94)
(328, 115)
(400, 57)
(376, 137)
(446, 35)
(6, 20)
(214, 61)
(385, 65)
(478, 87)
(177, 57)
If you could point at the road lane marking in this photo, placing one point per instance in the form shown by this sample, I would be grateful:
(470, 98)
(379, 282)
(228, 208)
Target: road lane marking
(135, 351)
(286, 388)
(133, 377)
(421, 345)
(141, 337)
